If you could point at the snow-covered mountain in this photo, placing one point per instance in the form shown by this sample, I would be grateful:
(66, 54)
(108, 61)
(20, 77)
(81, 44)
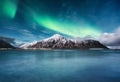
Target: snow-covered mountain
(59, 42)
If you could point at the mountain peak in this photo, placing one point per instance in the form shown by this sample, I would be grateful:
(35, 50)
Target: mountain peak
(57, 36)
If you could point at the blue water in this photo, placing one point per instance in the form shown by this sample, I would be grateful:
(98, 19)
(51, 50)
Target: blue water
(59, 66)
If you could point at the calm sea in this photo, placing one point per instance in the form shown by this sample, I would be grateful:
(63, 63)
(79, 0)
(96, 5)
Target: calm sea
(60, 66)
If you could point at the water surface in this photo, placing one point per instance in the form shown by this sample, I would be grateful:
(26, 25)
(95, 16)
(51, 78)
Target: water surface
(60, 66)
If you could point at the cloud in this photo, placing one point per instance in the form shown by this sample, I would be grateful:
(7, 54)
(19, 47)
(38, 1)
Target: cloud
(26, 32)
(111, 39)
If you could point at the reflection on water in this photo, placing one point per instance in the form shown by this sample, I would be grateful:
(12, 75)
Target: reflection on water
(60, 66)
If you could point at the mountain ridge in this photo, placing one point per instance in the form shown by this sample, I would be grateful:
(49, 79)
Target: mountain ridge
(59, 42)
(6, 45)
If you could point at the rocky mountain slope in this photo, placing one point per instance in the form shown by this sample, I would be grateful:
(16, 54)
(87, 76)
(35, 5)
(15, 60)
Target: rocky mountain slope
(4, 44)
(59, 42)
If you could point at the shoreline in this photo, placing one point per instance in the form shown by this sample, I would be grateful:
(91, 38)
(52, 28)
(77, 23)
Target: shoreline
(54, 49)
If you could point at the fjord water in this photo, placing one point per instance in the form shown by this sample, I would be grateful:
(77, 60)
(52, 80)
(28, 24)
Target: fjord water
(60, 66)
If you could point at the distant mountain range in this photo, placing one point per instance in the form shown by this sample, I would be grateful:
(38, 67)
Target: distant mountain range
(7, 45)
(59, 42)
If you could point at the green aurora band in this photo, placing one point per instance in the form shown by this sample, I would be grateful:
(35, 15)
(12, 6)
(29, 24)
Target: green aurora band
(65, 27)
(9, 8)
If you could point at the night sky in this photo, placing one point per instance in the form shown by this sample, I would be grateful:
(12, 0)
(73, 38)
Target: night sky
(29, 20)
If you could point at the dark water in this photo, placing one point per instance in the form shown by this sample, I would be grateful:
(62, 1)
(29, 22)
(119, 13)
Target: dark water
(60, 66)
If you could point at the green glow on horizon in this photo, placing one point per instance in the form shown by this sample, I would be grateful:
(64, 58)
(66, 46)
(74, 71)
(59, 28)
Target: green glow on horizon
(10, 8)
(66, 28)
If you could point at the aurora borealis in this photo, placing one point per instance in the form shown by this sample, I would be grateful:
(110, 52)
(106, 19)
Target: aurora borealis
(66, 28)
(34, 20)
(9, 8)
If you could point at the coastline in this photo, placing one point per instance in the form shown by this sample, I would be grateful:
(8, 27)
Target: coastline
(54, 49)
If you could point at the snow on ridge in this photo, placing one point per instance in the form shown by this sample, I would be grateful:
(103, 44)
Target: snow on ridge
(28, 44)
(54, 37)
